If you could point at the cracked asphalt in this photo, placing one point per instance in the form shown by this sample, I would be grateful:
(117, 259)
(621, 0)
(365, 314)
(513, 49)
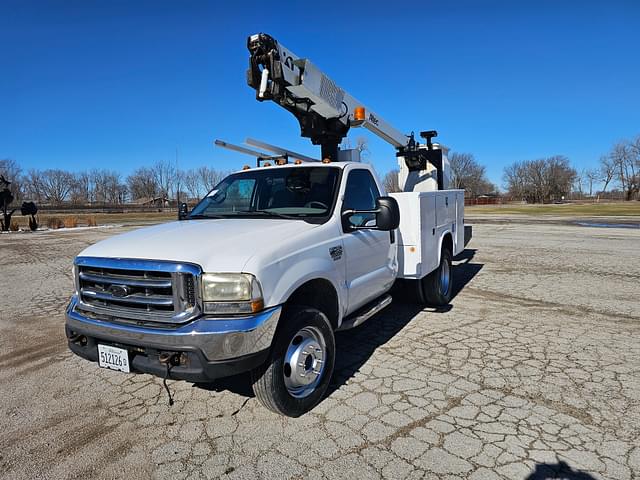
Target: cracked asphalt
(532, 373)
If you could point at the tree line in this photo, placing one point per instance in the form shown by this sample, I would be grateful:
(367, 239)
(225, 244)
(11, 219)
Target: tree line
(535, 181)
(163, 180)
(553, 178)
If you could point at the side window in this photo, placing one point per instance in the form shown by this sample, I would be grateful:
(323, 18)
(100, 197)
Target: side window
(360, 193)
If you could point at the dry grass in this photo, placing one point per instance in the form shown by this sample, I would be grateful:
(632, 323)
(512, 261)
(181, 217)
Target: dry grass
(70, 222)
(55, 222)
(99, 219)
(625, 209)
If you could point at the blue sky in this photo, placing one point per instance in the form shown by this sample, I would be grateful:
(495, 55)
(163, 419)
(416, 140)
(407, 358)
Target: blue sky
(121, 84)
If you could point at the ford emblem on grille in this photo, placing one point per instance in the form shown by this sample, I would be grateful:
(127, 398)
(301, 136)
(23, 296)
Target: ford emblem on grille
(119, 291)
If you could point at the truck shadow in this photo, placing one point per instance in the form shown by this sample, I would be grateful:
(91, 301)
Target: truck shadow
(464, 270)
(354, 347)
(544, 471)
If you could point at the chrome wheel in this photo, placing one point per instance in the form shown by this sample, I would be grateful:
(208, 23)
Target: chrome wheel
(445, 277)
(304, 362)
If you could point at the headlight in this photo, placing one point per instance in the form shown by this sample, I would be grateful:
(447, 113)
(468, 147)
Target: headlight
(231, 293)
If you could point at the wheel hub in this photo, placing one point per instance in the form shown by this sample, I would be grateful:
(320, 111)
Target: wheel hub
(304, 362)
(445, 277)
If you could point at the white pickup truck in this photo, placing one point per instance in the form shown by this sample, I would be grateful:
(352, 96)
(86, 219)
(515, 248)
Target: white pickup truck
(275, 259)
(260, 275)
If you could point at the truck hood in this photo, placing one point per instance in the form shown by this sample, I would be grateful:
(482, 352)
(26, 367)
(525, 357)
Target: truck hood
(217, 245)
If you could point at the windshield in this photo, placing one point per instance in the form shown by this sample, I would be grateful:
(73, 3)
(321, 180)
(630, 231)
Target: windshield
(294, 192)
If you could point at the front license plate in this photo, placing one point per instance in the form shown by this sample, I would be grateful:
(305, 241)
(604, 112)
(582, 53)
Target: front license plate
(114, 358)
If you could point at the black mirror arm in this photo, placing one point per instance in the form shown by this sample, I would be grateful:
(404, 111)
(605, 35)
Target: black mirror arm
(365, 228)
(348, 213)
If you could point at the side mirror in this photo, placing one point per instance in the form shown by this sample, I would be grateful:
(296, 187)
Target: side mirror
(388, 214)
(183, 211)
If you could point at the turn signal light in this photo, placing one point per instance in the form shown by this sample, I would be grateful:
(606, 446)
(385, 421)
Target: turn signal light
(358, 113)
(298, 162)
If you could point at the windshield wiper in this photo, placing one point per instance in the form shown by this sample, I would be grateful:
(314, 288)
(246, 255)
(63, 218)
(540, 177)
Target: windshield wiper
(198, 217)
(271, 214)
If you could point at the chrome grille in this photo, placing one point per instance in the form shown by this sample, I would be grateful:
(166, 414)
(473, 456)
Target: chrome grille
(144, 290)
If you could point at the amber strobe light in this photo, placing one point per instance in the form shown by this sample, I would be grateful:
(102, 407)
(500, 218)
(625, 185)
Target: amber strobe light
(358, 114)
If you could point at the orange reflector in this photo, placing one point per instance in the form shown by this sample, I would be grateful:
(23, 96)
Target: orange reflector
(326, 160)
(257, 305)
(246, 167)
(358, 114)
(298, 162)
(412, 249)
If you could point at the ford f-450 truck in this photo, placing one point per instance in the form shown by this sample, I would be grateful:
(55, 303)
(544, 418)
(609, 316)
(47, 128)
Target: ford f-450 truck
(263, 271)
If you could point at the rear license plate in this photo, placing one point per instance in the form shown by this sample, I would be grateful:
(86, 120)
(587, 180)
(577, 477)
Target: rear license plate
(114, 358)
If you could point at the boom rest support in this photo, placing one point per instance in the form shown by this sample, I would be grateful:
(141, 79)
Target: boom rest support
(417, 157)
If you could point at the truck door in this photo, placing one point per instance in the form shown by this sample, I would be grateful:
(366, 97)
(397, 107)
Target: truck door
(371, 264)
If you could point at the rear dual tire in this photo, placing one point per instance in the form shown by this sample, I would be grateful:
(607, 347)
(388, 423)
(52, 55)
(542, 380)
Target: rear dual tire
(436, 289)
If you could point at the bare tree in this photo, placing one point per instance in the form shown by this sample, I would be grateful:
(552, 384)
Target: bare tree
(468, 174)
(514, 179)
(209, 177)
(12, 172)
(178, 185)
(541, 180)
(33, 185)
(108, 186)
(198, 182)
(607, 171)
(82, 191)
(625, 156)
(142, 184)
(55, 185)
(578, 183)
(390, 182)
(164, 174)
(592, 175)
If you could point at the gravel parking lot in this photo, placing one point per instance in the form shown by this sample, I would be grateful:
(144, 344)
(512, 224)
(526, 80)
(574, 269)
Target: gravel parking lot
(532, 373)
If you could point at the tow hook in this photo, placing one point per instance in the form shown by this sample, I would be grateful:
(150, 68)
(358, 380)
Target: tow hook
(169, 360)
(74, 337)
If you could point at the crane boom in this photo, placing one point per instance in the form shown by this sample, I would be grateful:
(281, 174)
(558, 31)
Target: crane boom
(326, 112)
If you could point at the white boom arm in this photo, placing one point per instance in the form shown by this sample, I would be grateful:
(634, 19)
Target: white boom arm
(325, 111)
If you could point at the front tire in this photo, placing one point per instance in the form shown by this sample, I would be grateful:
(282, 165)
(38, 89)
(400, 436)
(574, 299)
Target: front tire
(297, 373)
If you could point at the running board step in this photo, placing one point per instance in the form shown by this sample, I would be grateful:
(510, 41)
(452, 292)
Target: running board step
(365, 313)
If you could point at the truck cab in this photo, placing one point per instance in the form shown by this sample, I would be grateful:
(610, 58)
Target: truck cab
(210, 290)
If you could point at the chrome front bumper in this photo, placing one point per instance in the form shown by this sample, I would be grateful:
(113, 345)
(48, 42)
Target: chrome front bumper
(218, 339)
